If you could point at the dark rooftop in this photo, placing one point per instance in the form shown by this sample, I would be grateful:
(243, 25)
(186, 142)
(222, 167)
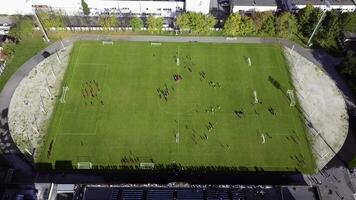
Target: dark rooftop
(323, 2)
(146, 0)
(254, 3)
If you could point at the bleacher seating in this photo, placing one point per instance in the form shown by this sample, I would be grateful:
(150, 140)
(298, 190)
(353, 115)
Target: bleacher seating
(160, 194)
(115, 194)
(238, 195)
(190, 194)
(132, 194)
(217, 194)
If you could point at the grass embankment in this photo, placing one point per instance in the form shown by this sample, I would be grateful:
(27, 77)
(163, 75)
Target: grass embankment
(24, 50)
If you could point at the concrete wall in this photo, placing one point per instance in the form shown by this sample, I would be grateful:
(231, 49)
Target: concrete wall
(254, 8)
(342, 8)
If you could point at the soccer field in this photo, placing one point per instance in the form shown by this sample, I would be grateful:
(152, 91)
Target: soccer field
(194, 104)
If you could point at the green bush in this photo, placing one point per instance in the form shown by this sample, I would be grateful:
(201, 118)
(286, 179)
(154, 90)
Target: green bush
(23, 29)
(136, 24)
(85, 7)
(9, 49)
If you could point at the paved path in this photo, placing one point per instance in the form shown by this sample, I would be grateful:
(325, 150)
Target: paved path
(317, 57)
(23, 169)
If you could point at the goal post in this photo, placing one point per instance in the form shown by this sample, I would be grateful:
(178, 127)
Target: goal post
(64, 92)
(291, 97)
(249, 61)
(147, 165)
(255, 96)
(107, 42)
(156, 44)
(84, 165)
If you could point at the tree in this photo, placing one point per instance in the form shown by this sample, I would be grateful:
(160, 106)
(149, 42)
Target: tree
(348, 22)
(155, 24)
(308, 17)
(195, 22)
(247, 26)
(23, 29)
(330, 27)
(210, 22)
(183, 21)
(269, 27)
(51, 19)
(348, 64)
(9, 49)
(136, 24)
(286, 25)
(85, 7)
(108, 21)
(260, 18)
(265, 23)
(232, 26)
(239, 25)
(304, 16)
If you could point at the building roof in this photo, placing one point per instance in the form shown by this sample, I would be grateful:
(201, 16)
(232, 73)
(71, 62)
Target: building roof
(255, 2)
(6, 20)
(349, 35)
(323, 2)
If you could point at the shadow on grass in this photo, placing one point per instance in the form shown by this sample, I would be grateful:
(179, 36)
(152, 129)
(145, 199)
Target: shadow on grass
(65, 171)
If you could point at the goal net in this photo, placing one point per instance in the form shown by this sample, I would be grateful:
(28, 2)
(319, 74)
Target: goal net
(249, 61)
(64, 92)
(147, 165)
(291, 97)
(255, 96)
(156, 44)
(84, 165)
(108, 42)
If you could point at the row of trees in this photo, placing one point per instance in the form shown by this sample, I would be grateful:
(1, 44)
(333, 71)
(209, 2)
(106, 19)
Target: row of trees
(287, 24)
(259, 23)
(154, 24)
(195, 22)
(262, 23)
(51, 19)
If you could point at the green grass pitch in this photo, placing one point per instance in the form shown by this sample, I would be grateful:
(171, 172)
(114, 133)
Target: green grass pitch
(124, 107)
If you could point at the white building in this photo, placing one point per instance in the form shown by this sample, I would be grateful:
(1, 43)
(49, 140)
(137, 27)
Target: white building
(253, 5)
(201, 6)
(164, 8)
(14, 7)
(342, 5)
